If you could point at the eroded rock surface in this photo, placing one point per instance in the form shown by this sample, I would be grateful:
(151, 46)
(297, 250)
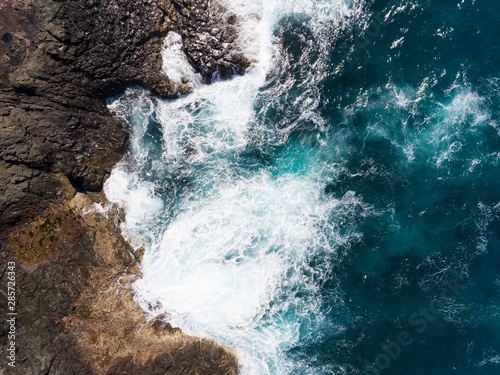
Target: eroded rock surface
(75, 307)
(210, 32)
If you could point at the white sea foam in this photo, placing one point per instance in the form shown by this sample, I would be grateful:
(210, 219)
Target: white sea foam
(229, 264)
(138, 200)
(175, 63)
(230, 259)
(227, 257)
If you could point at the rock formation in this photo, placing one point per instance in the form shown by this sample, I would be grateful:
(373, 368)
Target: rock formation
(59, 61)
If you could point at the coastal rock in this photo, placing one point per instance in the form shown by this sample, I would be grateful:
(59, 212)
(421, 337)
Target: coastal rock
(209, 32)
(75, 303)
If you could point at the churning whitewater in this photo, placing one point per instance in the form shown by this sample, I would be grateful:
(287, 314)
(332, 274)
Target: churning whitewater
(229, 239)
(303, 213)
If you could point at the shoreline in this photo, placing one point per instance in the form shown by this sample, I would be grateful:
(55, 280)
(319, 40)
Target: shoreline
(74, 270)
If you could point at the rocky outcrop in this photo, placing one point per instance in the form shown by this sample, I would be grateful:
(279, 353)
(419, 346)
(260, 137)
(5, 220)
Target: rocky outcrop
(75, 307)
(209, 32)
(112, 329)
(59, 62)
(53, 117)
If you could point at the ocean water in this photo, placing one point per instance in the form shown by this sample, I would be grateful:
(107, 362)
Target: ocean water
(336, 210)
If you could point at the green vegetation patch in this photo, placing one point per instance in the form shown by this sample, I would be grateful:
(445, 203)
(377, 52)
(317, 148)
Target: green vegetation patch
(35, 242)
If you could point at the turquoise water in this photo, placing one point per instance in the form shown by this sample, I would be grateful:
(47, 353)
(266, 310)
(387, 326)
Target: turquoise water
(336, 210)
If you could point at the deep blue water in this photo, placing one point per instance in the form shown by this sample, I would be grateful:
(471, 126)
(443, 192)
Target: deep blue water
(443, 224)
(351, 219)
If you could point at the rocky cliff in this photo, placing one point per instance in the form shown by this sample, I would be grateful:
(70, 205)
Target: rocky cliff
(59, 61)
